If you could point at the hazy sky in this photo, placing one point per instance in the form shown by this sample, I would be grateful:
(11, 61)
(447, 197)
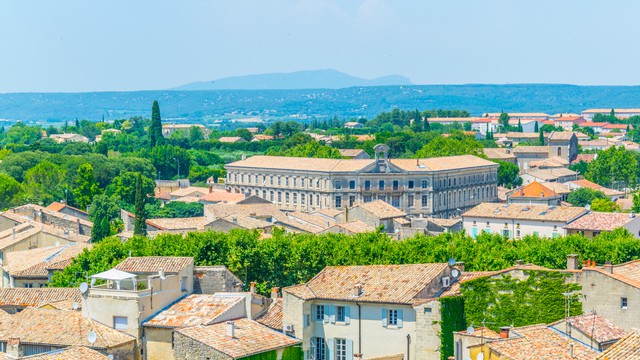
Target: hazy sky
(80, 45)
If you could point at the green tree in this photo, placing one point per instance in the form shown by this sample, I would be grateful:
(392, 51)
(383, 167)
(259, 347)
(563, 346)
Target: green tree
(10, 191)
(169, 160)
(195, 134)
(155, 130)
(312, 149)
(86, 186)
(604, 205)
(45, 183)
(535, 127)
(581, 167)
(504, 119)
(140, 224)
(541, 138)
(614, 167)
(124, 187)
(508, 175)
(102, 211)
(520, 126)
(22, 134)
(636, 202)
(584, 196)
(243, 133)
(456, 144)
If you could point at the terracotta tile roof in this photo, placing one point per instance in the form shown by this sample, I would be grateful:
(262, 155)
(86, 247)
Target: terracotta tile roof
(570, 118)
(273, 316)
(591, 185)
(151, 264)
(36, 262)
(594, 326)
(522, 135)
(193, 223)
(533, 190)
(351, 152)
(551, 174)
(222, 196)
(482, 332)
(597, 143)
(29, 208)
(594, 124)
(381, 209)
(67, 304)
(260, 137)
(599, 221)
(189, 190)
(526, 212)
(57, 206)
(398, 284)
(561, 135)
(23, 297)
(446, 223)
(531, 150)
(60, 328)
(540, 342)
(585, 157)
(318, 220)
(629, 269)
(356, 227)
(231, 139)
(193, 310)
(332, 213)
(350, 165)
(514, 114)
(69, 353)
(558, 188)
(626, 348)
(499, 153)
(250, 338)
(625, 204)
(617, 126)
(552, 162)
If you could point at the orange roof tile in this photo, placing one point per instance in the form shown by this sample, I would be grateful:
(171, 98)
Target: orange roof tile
(151, 264)
(23, 297)
(594, 326)
(626, 348)
(250, 338)
(273, 316)
(534, 190)
(193, 310)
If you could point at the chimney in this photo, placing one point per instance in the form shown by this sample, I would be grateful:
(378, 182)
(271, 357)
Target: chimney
(460, 266)
(252, 289)
(234, 219)
(608, 267)
(79, 226)
(572, 262)
(244, 157)
(14, 233)
(14, 349)
(632, 215)
(519, 262)
(275, 292)
(231, 329)
(210, 189)
(161, 273)
(357, 290)
(504, 332)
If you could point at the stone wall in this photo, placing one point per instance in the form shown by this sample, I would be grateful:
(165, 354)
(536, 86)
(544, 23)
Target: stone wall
(186, 348)
(427, 342)
(213, 279)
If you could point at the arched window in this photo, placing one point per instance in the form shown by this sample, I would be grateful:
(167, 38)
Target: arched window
(559, 151)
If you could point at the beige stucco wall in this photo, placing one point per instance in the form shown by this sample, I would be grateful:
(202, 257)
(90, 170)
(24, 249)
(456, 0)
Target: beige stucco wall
(602, 293)
(527, 227)
(158, 343)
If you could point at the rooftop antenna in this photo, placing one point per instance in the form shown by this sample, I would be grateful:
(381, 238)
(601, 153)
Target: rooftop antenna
(451, 261)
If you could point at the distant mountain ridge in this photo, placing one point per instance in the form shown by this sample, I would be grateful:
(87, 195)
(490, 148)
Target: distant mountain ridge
(312, 79)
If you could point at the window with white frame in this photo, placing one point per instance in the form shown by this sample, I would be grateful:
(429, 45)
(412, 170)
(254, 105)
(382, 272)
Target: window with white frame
(319, 312)
(318, 349)
(341, 349)
(392, 317)
(624, 303)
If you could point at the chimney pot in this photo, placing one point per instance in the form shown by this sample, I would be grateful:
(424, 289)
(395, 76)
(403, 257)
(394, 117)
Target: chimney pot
(460, 266)
(275, 292)
(572, 262)
(252, 288)
(161, 273)
(504, 332)
(231, 329)
(357, 290)
(608, 267)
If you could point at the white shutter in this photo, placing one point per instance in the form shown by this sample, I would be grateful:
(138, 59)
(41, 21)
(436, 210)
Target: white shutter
(399, 318)
(384, 317)
(349, 349)
(332, 313)
(332, 350)
(347, 314)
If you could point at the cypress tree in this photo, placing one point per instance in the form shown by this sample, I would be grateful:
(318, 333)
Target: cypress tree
(535, 127)
(541, 139)
(628, 128)
(77, 124)
(519, 126)
(155, 130)
(140, 224)
(427, 126)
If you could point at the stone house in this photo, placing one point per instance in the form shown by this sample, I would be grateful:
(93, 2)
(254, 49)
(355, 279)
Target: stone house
(369, 311)
(375, 214)
(35, 331)
(534, 193)
(516, 221)
(595, 223)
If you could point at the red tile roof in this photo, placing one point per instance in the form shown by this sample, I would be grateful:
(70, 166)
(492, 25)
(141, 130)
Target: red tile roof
(250, 338)
(273, 316)
(193, 310)
(598, 221)
(152, 264)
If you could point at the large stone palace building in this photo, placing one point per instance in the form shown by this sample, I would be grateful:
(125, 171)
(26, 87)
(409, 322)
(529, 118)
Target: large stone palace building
(440, 187)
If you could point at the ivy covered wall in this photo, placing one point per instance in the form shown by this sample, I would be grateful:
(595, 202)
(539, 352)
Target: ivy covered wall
(453, 319)
(507, 300)
(291, 353)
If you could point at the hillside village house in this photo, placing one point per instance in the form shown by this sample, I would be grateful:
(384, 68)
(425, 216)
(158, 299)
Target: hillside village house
(440, 187)
(376, 311)
(568, 122)
(619, 113)
(515, 221)
(63, 138)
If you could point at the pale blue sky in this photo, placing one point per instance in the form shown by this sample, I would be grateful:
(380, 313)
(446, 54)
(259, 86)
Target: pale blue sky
(81, 45)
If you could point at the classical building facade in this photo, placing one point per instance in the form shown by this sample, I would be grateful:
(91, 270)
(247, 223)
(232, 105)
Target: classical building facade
(441, 187)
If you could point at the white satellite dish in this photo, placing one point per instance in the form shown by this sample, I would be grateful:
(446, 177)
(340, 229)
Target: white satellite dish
(480, 356)
(452, 262)
(84, 287)
(92, 337)
(75, 306)
(455, 273)
(470, 330)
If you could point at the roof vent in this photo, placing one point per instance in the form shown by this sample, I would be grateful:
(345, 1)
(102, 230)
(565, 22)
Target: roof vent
(231, 329)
